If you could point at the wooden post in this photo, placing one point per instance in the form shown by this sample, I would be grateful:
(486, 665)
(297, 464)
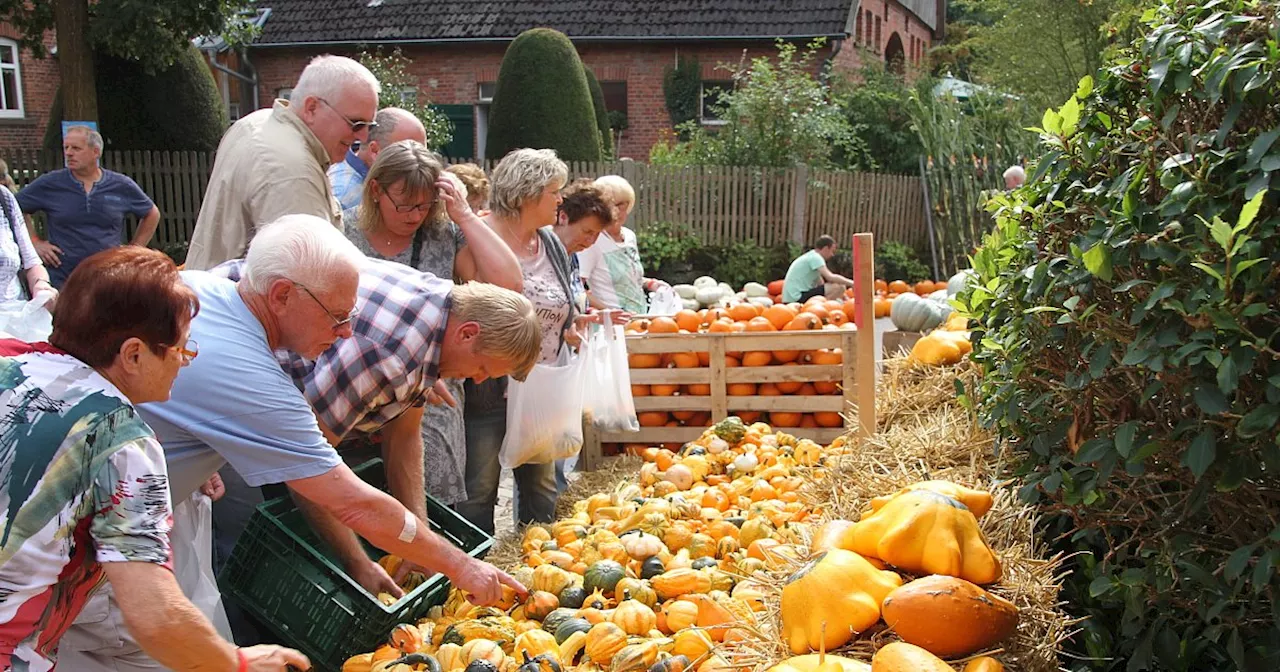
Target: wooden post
(719, 396)
(800, 192)
(864, 318)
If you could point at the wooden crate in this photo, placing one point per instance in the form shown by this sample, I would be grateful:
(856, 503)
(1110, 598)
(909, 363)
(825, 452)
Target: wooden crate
(855, 375)
(896, 342)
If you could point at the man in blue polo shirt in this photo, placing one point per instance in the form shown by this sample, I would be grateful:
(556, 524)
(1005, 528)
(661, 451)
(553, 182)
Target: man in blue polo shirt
(84, 206)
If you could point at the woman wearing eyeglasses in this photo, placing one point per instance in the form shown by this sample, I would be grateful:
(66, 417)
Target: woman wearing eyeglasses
(84, 477)
(401, 218)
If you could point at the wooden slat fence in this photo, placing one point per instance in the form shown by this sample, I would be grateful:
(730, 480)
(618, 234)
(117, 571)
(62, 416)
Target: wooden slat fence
(721, 204)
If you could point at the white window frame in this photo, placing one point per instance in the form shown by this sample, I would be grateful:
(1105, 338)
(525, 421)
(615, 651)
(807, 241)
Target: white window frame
(409, 96)
(480, 87)
(20, 112)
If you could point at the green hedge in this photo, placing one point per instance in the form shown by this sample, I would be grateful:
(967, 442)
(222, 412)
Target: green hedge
(542, 100)
(1129, 338)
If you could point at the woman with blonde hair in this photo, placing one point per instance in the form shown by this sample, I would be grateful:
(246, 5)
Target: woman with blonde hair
(401, 218)
(611, 267)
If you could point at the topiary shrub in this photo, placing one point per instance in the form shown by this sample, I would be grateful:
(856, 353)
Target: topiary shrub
(602, 115)
(542, 100)
(175, 109)
(1129, 338)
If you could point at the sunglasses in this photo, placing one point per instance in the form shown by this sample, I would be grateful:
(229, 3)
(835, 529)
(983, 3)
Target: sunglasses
(356, 126)
(337, 324)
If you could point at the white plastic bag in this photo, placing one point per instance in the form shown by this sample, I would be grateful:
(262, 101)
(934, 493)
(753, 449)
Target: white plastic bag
(607, 402)
(664, 301)
(544, 413)
(28, 321)
(191, 541)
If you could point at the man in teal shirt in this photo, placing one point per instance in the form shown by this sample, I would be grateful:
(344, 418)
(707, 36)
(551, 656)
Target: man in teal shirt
(808, 274)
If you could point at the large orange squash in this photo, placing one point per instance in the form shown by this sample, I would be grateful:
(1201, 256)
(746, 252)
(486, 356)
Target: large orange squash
(949, 617)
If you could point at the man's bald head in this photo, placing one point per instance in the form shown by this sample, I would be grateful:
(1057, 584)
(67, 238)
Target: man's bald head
(394, 124)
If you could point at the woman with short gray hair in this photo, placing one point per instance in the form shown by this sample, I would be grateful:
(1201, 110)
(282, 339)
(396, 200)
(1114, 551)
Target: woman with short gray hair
(526, 197)
(402, 218)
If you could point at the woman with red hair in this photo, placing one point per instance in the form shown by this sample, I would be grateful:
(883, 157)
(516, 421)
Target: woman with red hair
(83, 487)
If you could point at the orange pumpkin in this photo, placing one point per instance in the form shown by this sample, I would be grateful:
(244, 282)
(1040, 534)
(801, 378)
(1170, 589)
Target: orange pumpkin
(757, 358)
(742, 312)
(688, 320)
(760, 324)
(639, 390)
(924, 287)
(895, 287)
(644, 360)
(663, 325)
(779, 315)
(652, 418)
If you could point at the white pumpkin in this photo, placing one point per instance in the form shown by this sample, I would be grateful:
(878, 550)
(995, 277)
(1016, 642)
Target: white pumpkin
(755, 289)
(705, 281)
(761, 301)
(685, 291)
(707, 295)
(690, 304)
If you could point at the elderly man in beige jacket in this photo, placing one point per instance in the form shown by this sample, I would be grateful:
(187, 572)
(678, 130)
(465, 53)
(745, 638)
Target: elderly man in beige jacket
(273, 162)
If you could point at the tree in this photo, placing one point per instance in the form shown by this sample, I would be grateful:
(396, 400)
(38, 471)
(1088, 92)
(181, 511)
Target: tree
(542, 100)
(155, 33)
(1039, 49)
(401, 89)
(777, 114)
(602, 116)
(177, 108)
(876, 103)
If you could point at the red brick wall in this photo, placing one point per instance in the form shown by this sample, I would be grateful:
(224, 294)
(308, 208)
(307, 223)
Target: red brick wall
(39, 84)
(451, 75)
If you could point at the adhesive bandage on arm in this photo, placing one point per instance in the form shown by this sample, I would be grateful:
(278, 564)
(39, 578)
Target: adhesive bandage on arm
(410, 529)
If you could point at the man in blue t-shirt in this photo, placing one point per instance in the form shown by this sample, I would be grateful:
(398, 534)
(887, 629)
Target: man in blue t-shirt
(84, 206)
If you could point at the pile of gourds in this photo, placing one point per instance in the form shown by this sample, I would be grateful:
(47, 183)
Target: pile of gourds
(656, 575)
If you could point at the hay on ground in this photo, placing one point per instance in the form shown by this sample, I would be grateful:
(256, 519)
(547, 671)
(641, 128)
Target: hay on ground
(923, 433)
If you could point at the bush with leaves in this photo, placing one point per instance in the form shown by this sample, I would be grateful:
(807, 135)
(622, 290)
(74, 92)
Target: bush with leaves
(400, 88)
(681, 89)
(897, 261)
(1128, 309)
(777, 114)
(664, 247)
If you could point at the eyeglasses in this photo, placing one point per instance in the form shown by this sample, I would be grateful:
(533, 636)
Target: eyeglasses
(188, 353)
(337, 324)
(403, 209)
(356, 126)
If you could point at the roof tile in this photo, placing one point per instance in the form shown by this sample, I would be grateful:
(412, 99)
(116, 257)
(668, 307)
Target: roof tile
(353, 21)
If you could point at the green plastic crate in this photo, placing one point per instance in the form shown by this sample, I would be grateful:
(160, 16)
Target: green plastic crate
(282, 574)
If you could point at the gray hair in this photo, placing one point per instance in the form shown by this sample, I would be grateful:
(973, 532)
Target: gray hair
(522, 175)
(300, 248)
(329, 77)
(388, 120)
(94, 137)
(1016, 172)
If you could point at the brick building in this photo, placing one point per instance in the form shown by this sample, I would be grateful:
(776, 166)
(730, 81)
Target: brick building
(457, 47)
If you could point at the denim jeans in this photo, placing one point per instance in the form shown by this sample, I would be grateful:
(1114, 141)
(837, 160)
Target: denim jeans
(535, 484)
